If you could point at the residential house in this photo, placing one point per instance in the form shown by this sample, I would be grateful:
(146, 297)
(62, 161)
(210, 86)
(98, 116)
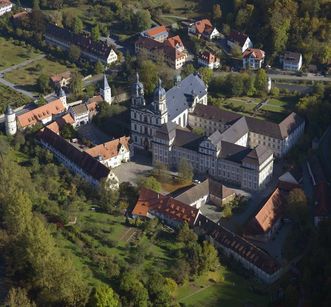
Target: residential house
(5, 7)
(207, 191)
(151, 204)
(203, 28)
(158, 33)
(43, 114)
(291, 61)
(94, 51)
(208, 59)
(240, 39)
(253, 58)
(112, 153)
(61, 80)
(81, 163)
(172, 49)
(60, 122)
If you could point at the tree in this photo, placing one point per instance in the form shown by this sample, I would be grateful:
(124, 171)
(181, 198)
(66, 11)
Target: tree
(76, 84)
(103, 296)
(187, 70)
(36, 5)
(185, 234)
(43, 83)
(150, 183)
(68, 132)
(185, 170)
(261, 82)
(78, 25)
(160, 171)
(108, 198)
(95, 33)
(217, 13)
(148, 72)
(210, 257)
(74, 53)
(297, 208)
(199, 131)
(206, 74)
(18, 297)
(142, 20)
(236, 51)
(234, 84)
(99, 68)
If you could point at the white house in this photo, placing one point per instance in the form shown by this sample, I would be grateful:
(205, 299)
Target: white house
(239, 39)
(112, 153)
(80, 114)
(208, 59)
(5, 7)
(291, 61)
(253, 58)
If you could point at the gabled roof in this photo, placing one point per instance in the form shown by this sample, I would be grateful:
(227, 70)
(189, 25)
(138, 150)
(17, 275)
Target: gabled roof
(57, 125)
(37, 115)
(202, 25)
(99, 48)
(174, 41)
(153, 32)
(289, 124)
(208, 57)
(80, 109)
(81, 159)
(238, 37)
(164, 206)
(267, 216)
(110, 149)
(258, 54)
(236, 131)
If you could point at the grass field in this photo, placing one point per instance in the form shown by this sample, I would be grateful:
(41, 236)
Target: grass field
(26, 77)
(12, 53)
(220, 288)
(9, 96)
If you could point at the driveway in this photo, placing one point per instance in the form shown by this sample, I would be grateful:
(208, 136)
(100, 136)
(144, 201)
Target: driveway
(139, 166)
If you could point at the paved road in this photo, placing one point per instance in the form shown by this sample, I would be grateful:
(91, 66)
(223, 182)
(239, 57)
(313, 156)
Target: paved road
(15, 88)
(22, 64)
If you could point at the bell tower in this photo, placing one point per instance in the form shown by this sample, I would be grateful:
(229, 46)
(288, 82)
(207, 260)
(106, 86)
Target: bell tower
(105, 92)
(160, 102)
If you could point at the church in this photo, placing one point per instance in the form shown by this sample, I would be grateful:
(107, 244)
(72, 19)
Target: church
(234, 148)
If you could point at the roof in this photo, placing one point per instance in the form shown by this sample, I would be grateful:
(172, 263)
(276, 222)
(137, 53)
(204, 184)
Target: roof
(160, 205)
(216, 114)
(202, 24)
(167, 131)
(187, 139)
(179, 97)
(207, 187)
(80, 109)
(110, 149)
(292, 57)
(99, 48)
(174, 41)
(236, 131)
(153, 32)
(4, 3)
(81, 159)
(57, 125)
(238, 245)
(288, 178)
(58, 77)
(36, 115)
(270, 212)
(258, 155)
(166, 47)
(255, 53)
(289, 124)
(238, 37)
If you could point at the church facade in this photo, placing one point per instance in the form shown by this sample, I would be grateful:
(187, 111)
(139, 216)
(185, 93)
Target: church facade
(233, 148)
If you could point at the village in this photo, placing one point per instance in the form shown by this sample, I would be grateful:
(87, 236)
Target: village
(195, 119)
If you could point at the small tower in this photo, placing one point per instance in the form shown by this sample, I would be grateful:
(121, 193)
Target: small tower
(63, 97)
(106, 90)
(269, 84)
(160, 102)
(10, 121)
(137, 93)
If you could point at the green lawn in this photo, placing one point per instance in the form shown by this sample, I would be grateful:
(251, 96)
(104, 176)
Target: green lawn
(11, 53)
(26, 77)
(9, 96)
(222, 288)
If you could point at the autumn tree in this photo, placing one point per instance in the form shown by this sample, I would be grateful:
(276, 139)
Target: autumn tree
(185, 170)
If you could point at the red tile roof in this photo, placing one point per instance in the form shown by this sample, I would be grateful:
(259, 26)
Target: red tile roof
(256, 53)
(110, 149)
(57, 125)
(208, 57)
(174, 41)
(160, 205)
(156, 30)
(37, 115)
(203, 25)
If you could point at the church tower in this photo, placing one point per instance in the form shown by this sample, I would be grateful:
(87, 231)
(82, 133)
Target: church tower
(10, 121)
(105, 92)
(137, 93)
(63, 97)
(160, 102)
